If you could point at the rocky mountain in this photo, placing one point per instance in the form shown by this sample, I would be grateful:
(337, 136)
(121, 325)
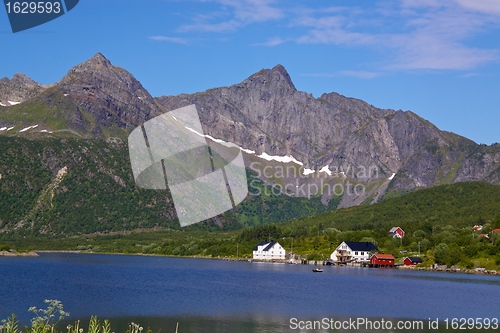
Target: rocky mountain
(344, 150)
(94, 99)
(19, 89)
(357, 141)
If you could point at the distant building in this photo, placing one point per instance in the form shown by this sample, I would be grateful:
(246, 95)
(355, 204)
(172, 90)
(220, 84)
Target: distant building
(496, 230)
(353, 251)
(397, 232)
(269, 251)
(412, 261)
(382, 260)
(477, 227)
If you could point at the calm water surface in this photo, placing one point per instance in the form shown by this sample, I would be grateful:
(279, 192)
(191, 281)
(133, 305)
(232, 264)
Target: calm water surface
(219, 296)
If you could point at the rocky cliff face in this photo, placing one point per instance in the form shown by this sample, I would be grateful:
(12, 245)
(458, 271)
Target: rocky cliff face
(94, 99)
(380, 150)
(110, 94)
(19, 89)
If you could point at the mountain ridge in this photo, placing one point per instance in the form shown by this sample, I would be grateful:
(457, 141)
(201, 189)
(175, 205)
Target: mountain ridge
(266, 113)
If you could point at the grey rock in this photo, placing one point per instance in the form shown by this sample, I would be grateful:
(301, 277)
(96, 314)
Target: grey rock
(19, 89)
(266, 113)
(384, 150)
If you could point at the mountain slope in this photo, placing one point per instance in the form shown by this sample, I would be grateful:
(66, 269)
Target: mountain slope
(266, 113)
(345, 144)
(94, 99)
(18, 89)
(72, 186)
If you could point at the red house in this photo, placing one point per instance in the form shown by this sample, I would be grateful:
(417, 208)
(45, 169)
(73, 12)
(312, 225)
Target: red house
(412, 261)
(496, 230)
(396, 232)
(382, 260)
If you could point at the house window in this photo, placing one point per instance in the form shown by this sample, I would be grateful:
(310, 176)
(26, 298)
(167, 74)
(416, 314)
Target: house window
(356, 253)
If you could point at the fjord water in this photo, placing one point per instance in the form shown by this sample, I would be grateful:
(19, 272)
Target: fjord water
(220, 296)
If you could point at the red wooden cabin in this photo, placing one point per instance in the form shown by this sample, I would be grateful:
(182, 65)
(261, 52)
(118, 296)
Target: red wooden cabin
(412, 261)
(382, 260)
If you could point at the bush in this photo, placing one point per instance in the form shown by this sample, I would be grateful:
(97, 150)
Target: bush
(442, 254)
(315, 256)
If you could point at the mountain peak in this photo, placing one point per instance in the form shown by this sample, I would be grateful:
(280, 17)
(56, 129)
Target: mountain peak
(283, 72)
(281, 69)
(100, 59)
(108, 93)
(21, 77)
(19, 88)
(277, 76)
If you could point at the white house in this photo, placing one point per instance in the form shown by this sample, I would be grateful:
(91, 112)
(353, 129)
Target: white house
(353, 251)
(269, 251)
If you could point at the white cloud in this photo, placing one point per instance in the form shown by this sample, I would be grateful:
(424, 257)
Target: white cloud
(254, 10)
(485, 6)
(427, 51)
(274, 41)
(361, 74)
(234, 15)
(408, 34)
(169, 39)
(437, 39)
(424, 34)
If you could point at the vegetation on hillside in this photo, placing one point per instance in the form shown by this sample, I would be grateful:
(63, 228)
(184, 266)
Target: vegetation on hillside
(438, 224)
(66, 187)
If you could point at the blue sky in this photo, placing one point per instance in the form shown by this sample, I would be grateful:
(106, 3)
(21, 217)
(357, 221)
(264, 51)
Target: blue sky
(439, 59)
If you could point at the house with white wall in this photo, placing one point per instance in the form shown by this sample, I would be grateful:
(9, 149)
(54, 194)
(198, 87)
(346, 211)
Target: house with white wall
(269, 251)
(353, 251)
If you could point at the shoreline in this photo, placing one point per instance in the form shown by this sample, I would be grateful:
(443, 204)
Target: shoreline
(18, 254)
(441, 269)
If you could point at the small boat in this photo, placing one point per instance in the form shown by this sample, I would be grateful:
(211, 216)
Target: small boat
(318, 270)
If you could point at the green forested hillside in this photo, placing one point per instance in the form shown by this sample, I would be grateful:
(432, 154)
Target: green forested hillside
(74, 186)
(82, 193)
(437, 221)
(460, 204)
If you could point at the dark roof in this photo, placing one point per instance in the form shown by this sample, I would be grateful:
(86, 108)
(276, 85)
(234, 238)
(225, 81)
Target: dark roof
(362, 246)
(270, 245)
(415, 259)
